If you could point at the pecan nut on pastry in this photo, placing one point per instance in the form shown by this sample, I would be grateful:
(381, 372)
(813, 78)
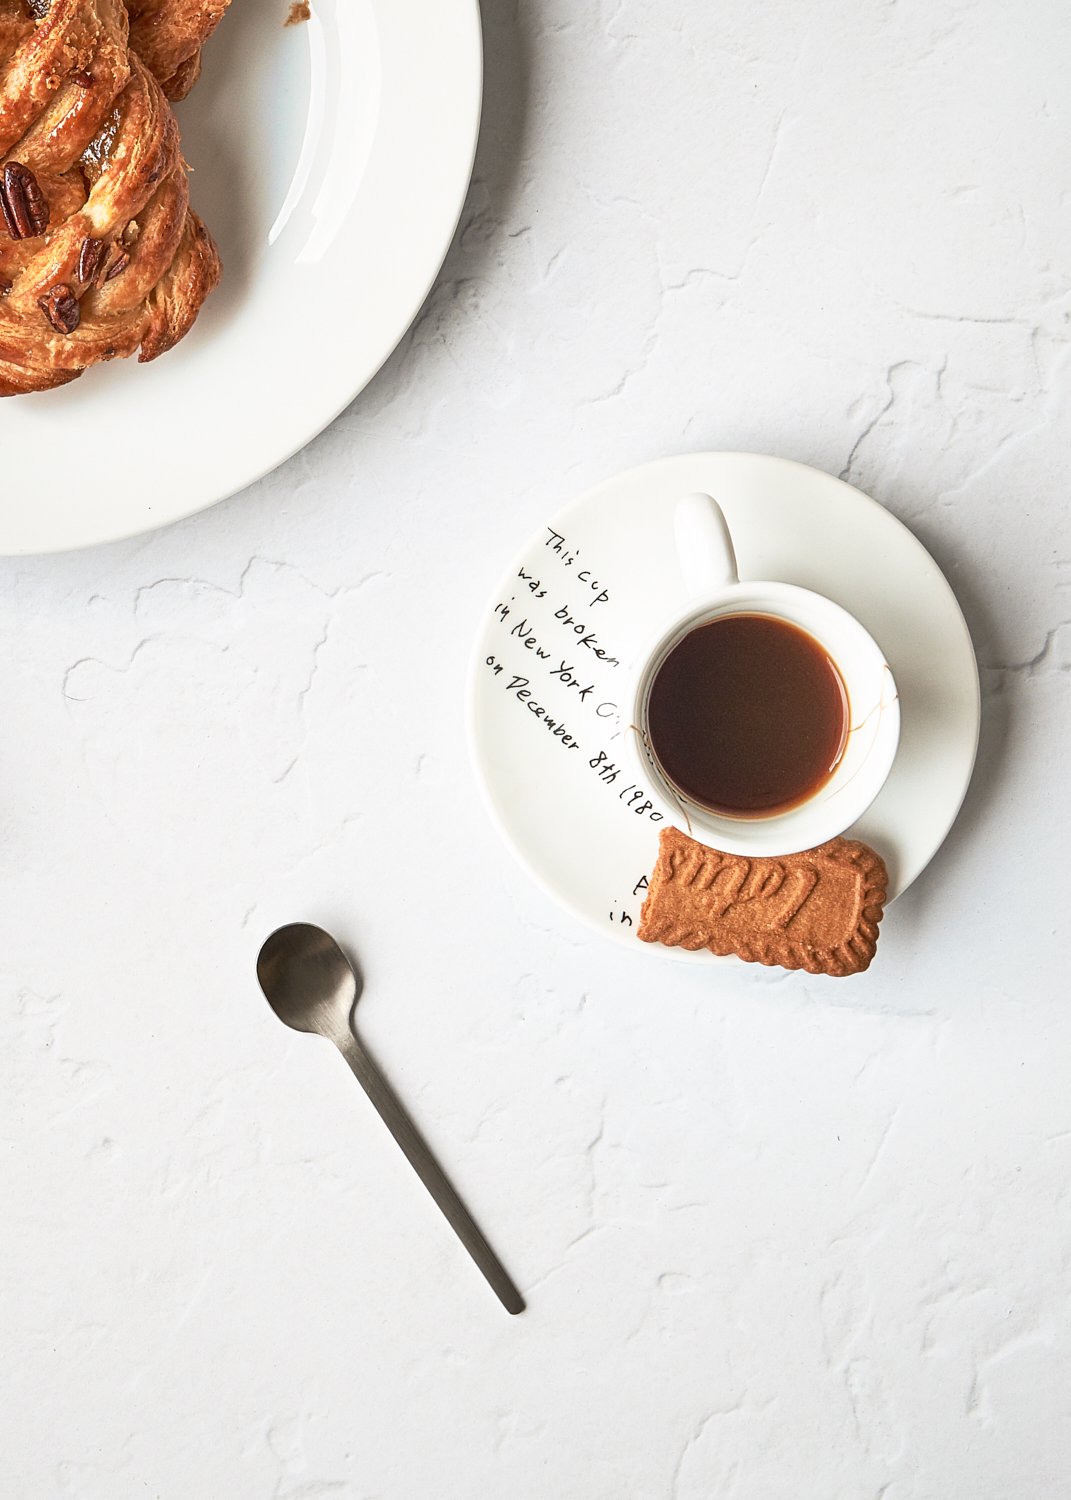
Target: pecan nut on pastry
(99, 252)
(24, 206)
(168, 36)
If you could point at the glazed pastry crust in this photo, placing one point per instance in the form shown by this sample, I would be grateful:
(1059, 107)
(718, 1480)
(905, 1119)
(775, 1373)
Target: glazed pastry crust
(121, 257)
(168, 36)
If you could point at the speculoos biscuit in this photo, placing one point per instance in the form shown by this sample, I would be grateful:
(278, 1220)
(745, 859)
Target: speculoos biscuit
(818, 910)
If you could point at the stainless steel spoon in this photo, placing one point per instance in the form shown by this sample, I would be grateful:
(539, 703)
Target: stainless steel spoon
(310, 984)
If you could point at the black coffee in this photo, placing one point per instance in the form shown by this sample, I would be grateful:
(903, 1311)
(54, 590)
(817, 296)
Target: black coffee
(748, 716)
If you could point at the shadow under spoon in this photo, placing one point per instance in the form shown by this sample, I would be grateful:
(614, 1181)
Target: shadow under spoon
(311, 985)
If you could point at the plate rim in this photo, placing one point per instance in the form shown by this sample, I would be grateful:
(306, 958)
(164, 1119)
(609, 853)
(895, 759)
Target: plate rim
(657, 951)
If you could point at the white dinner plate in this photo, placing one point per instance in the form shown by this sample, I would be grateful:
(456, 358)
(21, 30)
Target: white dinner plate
(562, 630)
(331, 161)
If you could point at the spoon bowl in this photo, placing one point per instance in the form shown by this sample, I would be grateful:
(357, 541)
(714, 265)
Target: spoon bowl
(308, 981)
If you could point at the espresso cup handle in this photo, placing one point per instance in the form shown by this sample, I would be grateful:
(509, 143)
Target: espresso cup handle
(704, 546)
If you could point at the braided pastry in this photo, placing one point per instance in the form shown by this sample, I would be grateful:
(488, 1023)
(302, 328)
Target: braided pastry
(99, 252)
(168, 35)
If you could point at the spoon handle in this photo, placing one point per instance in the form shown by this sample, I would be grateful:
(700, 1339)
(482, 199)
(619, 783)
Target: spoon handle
(430, 1173)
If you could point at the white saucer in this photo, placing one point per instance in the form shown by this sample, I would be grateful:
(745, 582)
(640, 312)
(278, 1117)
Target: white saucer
(548, 776)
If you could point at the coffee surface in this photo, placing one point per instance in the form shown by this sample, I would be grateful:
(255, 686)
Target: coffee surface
(747, 715)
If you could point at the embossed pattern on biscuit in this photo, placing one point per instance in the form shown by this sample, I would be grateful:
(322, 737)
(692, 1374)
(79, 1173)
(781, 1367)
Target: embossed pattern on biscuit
(818, 910)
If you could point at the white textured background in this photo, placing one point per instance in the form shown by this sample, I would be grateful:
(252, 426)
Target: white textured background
(783, 1239)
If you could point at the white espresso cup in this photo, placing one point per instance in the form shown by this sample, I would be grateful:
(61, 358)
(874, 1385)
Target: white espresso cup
(713, 590)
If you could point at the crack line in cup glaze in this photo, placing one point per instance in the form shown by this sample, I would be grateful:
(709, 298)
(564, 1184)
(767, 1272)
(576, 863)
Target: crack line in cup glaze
(708, 564)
